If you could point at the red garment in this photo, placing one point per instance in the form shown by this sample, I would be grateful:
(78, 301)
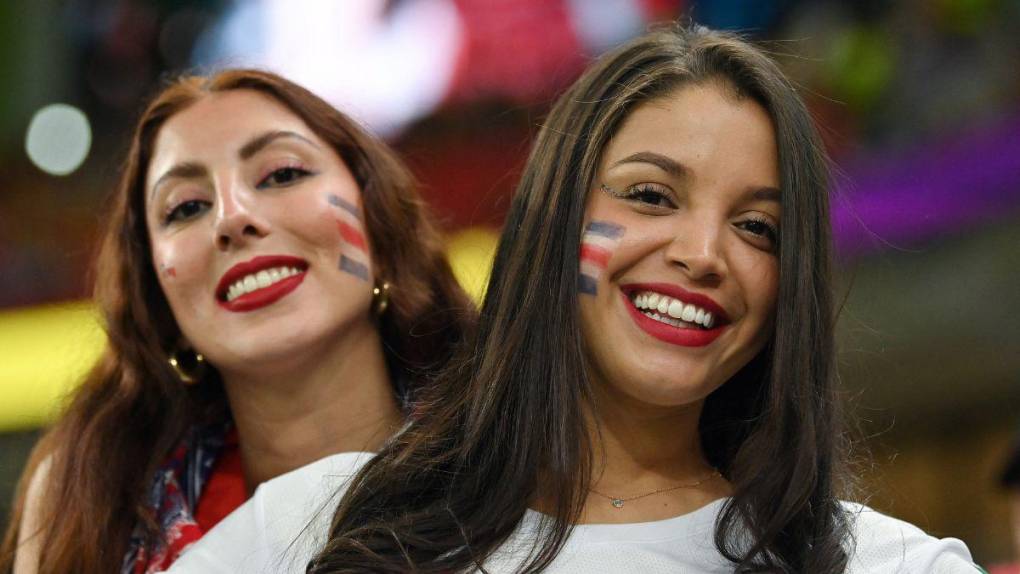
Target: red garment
(220, 489)
(225, 490)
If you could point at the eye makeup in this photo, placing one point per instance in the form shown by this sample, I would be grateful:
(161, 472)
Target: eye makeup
(598, 242)
(354, 250)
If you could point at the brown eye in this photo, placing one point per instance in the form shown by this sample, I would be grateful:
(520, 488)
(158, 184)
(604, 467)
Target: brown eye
(283, 177)
(760, 227)
(185, 210)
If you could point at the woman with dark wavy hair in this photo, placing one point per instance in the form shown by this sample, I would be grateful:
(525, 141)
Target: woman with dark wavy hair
(652, 385)
(273, 291)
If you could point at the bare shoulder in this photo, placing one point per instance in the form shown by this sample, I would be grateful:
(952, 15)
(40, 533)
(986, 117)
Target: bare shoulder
(26, 561)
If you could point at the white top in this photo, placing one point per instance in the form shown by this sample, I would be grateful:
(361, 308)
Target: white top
(286, 521)
(281, 527)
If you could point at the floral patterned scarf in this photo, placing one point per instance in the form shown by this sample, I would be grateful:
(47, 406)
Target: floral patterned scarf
(173, 498)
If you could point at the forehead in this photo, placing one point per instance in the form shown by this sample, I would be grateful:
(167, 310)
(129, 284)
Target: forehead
(696, 122)
(216, 126)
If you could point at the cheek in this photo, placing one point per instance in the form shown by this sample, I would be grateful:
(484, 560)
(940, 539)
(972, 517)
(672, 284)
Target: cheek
(759, 278)
(769, 273)
(181, 267)
(598, 243)
(347, 222)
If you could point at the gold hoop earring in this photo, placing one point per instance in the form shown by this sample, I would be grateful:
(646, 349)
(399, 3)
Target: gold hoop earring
(380, 298)
(189, 366)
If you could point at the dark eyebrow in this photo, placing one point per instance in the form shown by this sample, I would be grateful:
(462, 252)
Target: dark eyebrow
(766, 194)
(186, 170)
(189, 170)
(255, 145)
(668, 165)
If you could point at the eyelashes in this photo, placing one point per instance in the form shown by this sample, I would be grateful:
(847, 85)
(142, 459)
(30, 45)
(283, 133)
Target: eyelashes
(284, 175)
(184, 210)
(649, 194)
(758, 225)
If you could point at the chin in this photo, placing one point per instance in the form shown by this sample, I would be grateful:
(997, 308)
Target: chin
(268, 349)
(676, 391)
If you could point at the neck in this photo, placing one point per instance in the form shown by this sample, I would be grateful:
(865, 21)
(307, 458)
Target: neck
(649, 455)
(338, 401)
(633, 442)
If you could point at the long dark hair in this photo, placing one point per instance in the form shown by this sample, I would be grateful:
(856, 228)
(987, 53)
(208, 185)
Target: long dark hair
(507, 415)
(132, 409)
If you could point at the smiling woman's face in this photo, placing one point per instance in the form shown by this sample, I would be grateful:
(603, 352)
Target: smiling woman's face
(256, 233)
(679, 271)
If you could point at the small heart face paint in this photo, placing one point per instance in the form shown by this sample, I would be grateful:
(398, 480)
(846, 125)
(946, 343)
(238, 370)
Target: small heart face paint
(354, 255)
(167, 270)
(598, 242)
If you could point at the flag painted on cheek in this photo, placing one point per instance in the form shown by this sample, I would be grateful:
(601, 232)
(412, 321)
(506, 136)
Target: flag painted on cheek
(354, 251)
(597, 245)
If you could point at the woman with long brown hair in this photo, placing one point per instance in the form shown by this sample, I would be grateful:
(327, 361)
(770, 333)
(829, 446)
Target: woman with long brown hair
(652, 387)
(273, 292)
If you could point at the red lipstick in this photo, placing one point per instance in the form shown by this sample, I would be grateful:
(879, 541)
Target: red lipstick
(685, 337)
(267, 295)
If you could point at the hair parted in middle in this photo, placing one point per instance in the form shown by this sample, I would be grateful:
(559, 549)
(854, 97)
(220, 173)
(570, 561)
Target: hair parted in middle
(506, 422)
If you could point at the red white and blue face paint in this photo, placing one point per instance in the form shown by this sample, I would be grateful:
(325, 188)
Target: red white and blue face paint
(598, 242)
(354, 257)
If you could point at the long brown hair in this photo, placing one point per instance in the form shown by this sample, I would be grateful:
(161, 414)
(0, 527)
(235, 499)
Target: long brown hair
(132, 409)
(508, 415)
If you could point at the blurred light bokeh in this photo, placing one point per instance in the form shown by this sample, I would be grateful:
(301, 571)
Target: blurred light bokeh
(919, 104)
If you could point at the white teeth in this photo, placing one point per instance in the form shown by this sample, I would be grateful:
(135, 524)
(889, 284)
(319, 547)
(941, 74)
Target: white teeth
(676, 309)
(672, 311)
(690, 312)
(663, 305)
(260, 280)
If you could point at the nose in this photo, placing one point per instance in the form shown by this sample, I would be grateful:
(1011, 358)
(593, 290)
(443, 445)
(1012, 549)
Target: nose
(238, 222)
(697, 250)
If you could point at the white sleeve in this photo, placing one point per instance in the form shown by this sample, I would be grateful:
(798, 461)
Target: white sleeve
(883, 544)
(280, 528)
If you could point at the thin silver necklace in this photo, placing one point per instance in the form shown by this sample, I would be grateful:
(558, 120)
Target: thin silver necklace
(617, 501)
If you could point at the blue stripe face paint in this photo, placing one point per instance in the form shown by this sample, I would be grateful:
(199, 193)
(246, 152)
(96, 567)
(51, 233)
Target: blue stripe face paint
(353, 267)
(345, 205)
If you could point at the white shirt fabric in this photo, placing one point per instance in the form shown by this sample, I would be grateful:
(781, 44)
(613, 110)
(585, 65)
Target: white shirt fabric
(281, 527)
(286, 522)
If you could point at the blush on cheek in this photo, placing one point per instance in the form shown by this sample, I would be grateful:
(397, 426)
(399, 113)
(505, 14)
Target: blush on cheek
(354, 257)
(598, 242)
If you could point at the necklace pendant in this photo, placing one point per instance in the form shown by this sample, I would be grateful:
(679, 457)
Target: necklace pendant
(617, 502)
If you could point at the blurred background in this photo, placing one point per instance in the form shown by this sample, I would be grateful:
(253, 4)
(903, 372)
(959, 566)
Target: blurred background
(919, 103)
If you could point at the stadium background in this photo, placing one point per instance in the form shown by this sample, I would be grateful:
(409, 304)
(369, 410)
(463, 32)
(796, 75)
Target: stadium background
(919, 102)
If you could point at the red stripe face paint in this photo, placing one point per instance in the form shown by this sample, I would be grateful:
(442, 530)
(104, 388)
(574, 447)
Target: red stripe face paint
(354, 257)
(597, 245)
(352, 235)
